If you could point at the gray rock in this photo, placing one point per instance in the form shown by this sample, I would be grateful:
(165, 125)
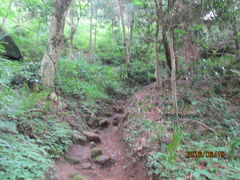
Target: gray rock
(72, 160)
(95, 152)
(104, 161)
(91, 136)
(82, 140)
(86, 166)
(104, 123)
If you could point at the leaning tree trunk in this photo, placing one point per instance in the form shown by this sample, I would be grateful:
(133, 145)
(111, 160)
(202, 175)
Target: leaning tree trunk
(55, 39)
(125, 43)
(157, 66)
(164, 36)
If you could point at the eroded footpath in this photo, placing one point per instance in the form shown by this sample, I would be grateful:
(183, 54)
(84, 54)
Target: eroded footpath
(100, 153)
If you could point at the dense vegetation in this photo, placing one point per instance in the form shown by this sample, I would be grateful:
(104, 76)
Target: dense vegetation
(111, 49)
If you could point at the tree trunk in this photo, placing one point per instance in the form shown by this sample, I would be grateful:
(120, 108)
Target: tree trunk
(173, 73)
(95, 32)
(91, 27)
(157, 62)
(125, 43)
(164, 36)
(131, 36)
(55, 40)
(71, 33)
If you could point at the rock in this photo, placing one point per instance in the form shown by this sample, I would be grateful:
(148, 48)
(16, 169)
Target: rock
(11, 51)
(117, 119)
(92, 144)
(96, 131)
(104, 161)
(104, 123)
(82, 140)
(107, 114)
(91, 136)
(115, 123)
(86, 166)
(79, 177)
(95, 152)
(72, 160)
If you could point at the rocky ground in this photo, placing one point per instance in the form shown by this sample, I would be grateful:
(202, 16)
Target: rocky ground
(100, 153)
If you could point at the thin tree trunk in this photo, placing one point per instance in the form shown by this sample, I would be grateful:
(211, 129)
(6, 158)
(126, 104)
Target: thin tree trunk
(131, 36)
(113, 34)
(164, 36)
(71, 33)
(125, 43)
(55, 40)
(95, 33)
(173, 73)
(91, 27)
(157, 62)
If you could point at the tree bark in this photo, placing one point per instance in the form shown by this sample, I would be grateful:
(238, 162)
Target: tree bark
(173, 73)
(55, 40)
(131, 36)
(95, 33)
(91, 28)
(125, 43)
(157, 62)
(164, 36)
(71, 33)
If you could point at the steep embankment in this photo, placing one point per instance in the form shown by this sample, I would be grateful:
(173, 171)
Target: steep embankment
(100, 153)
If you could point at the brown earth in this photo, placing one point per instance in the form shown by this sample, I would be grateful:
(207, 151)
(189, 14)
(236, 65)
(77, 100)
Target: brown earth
(118, 166)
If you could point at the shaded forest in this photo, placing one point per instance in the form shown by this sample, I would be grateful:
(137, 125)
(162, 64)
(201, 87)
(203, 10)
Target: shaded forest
(119, 89)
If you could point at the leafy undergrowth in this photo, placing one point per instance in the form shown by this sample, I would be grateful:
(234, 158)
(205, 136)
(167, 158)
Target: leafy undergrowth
(208, 122)
(36, 128)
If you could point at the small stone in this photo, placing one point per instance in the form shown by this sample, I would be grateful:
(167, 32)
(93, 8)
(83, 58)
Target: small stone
(82, 140)
(72, 160)
(79, 177)
(92, 144)
(86, 166)
(96, 131)
(107, 114)
(91, 136)
(104, 123)
(95, 152)
(104, 161)
(115, 123)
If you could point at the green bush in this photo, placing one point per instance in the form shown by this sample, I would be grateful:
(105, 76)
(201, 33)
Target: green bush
(21, 157)
(87, 81)
(137, 73)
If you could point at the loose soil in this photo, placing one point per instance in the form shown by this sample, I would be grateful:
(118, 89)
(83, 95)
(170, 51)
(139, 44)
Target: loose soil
(111, 145)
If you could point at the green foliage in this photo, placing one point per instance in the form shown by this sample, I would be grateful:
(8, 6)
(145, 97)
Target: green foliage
(87, 81)
(21, 157)
(137, 73)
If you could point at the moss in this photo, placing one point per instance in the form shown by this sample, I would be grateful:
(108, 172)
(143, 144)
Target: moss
(96, 152)
(79, 177)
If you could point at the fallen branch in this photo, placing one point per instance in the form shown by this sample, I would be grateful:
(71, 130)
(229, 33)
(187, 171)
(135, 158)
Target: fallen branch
(92, 114)
(200, 123)
(183, 114)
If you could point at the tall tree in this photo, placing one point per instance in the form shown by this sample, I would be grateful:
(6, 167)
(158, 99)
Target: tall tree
(157, 62)
(55, 39)
(125, 41)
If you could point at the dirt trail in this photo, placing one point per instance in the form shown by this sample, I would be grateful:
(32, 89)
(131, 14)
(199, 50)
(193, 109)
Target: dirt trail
(118, 167)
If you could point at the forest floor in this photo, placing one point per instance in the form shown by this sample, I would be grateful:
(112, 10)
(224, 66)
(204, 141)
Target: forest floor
(103, 155)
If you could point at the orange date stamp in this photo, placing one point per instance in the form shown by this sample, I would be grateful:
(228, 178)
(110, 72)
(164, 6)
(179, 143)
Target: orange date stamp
(207, 154)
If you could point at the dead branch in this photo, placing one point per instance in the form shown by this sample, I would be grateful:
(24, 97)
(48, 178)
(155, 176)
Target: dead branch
(200, 123)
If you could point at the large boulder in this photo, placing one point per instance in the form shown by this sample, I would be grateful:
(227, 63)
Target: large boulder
(10, 49)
